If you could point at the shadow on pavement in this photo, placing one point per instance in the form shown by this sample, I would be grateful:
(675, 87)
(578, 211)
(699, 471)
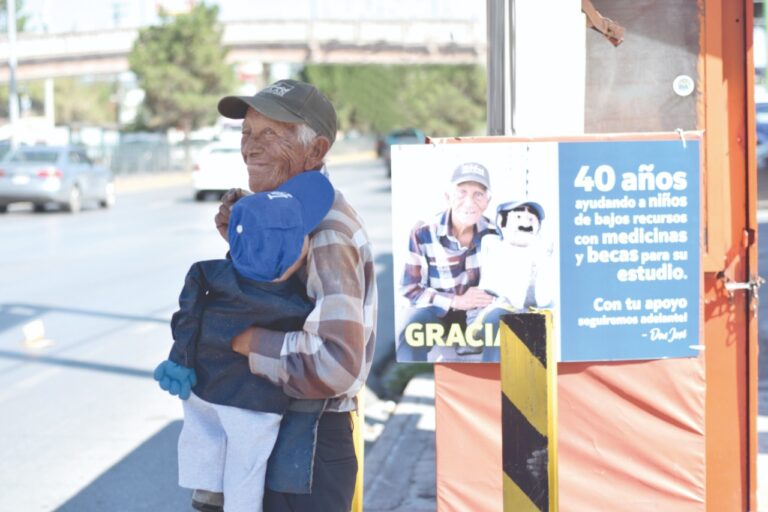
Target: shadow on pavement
(12, 314)
(385, 330)
(145, 480)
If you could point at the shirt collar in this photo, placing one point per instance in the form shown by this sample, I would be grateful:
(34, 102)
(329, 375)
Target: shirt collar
(443, 227)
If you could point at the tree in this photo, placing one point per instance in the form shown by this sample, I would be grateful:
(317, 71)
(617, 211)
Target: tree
(181, 66)
(21, 18)
(442, 100)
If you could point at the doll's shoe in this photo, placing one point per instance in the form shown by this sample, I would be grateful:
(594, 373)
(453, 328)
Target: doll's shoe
(468, 350)
(207, 501)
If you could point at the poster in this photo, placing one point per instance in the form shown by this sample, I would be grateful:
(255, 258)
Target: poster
(606, 234)
(630, 235)
(432, 266)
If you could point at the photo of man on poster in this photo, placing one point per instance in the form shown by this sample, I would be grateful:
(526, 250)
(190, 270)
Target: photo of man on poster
(441, 273)
(487, 252)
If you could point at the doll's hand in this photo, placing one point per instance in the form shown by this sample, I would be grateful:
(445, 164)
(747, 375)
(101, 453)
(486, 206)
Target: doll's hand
(176, 379)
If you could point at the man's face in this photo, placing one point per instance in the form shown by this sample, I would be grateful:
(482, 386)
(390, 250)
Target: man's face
(520, 226)
(271, 151)
(468, 201)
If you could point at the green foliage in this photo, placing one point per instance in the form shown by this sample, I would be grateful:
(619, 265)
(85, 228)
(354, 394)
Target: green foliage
(21, 18)
(396, 376)
(442, 100)
(76, 100)
(79, 101)
(181, 66)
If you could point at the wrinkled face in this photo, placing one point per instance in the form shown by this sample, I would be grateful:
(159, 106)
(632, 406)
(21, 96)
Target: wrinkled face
(272, 152)
(468, 201)
(519, 226)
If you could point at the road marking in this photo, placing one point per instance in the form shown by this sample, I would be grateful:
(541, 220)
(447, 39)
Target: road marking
(144, 327)
(34, 335)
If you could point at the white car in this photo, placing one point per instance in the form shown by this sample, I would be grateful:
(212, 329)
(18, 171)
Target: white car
(218, 168)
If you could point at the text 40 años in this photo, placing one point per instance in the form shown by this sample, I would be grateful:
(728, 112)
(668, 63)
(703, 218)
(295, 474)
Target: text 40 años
(645, 179)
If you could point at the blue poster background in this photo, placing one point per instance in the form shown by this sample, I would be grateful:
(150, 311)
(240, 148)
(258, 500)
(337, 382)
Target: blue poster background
(630, 253)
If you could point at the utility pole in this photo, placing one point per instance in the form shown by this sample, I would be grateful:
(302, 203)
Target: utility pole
(500, 103)
(13, 100)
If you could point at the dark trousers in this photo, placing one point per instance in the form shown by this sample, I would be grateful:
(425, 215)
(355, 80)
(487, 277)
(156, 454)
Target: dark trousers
(334, 473)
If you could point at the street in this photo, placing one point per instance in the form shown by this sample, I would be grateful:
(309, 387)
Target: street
(85, 305)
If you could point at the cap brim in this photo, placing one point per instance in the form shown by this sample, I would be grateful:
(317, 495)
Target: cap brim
(315, 194)
(235, 107)
(511, 205)
(467, 179)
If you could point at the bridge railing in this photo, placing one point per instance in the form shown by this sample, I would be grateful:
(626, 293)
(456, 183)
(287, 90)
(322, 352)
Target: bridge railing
(394, 33)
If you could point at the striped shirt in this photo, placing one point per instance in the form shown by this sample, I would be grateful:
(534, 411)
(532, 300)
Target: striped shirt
(332, 355)
(437, 267)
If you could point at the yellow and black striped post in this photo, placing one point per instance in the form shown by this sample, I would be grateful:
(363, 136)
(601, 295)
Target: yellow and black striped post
(528, 412)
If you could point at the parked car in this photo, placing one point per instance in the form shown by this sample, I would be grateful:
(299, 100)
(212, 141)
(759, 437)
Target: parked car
(62, 175)
(5, 147)
(406, 136)
(218, 168)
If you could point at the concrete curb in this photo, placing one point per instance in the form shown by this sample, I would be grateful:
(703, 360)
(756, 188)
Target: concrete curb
(404, 455)
(129, 183)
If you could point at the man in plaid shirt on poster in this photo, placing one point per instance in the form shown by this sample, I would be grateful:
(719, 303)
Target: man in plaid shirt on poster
(442, 270)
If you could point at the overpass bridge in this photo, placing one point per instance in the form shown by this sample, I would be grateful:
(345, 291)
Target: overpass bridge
(105, 52)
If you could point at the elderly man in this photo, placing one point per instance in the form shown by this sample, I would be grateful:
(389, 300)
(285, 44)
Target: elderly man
(288, 129)
(441, 270)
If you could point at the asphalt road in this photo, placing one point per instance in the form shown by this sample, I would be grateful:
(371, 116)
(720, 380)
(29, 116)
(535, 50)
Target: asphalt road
(85, 304)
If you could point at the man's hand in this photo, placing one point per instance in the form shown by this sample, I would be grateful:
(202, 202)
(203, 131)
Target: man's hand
(225, 210)
(473, 298)
(242, 342)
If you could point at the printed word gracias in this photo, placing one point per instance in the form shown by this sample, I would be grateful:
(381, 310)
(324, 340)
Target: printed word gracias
(428, 335)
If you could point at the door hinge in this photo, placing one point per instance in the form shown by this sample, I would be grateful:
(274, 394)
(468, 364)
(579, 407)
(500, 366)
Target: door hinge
(752, 286)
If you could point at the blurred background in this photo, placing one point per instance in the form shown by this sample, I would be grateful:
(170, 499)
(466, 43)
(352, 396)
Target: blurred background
(136, 81)
(127, 90)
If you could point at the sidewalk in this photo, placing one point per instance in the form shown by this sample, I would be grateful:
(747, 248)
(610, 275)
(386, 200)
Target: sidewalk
(400, 468)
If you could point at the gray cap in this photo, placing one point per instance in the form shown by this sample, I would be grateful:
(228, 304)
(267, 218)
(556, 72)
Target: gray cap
(471, 171)
(289, 101)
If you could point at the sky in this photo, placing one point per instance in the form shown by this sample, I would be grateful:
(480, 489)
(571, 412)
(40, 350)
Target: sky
(73, 16)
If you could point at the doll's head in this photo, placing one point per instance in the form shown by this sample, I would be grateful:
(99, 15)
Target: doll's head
(519, 222)
(268, 231)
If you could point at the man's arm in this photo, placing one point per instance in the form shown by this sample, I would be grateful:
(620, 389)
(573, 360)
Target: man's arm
(414, 284)
(331, 356)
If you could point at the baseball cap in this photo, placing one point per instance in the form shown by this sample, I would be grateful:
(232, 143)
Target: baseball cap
(267, 229)
(471, 171)
(511, 205)
(289, 101)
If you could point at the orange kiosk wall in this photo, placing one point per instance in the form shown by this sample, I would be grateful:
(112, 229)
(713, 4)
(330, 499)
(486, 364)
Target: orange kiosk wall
(672, 434)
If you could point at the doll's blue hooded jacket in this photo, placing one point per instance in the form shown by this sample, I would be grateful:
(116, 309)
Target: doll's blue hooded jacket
(215, 304)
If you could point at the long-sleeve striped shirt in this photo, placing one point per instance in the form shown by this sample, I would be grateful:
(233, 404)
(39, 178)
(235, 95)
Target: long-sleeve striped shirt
(437, 267)
(332, 355)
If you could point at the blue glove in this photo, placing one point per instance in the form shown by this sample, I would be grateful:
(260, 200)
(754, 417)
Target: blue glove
(176, 379)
